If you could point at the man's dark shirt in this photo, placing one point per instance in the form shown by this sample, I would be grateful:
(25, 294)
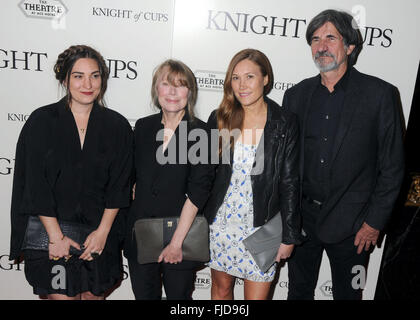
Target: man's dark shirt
(320, 131)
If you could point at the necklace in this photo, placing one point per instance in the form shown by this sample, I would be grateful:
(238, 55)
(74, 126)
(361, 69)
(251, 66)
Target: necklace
(82, 130)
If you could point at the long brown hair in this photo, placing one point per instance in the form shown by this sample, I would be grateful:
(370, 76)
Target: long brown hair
(230, 114)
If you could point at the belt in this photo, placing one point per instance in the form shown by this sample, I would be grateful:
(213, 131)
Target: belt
(310, 200)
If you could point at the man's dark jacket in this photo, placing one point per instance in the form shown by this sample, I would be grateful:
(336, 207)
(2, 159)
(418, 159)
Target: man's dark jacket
(367, 158)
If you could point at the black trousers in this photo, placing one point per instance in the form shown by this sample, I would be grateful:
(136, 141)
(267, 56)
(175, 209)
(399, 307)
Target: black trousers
(178, 280)
(345, 263)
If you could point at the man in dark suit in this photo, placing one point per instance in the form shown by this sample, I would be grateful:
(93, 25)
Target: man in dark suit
(351, 159)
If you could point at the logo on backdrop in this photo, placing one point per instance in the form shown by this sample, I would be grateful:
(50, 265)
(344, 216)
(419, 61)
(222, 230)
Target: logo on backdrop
(7, 265)
(125, 273)
(6, 166)
(202, 280)
(44, 9)
(283, 26)
(326, 288)
(283, 284)
(214, 81)
(17, 117)
(210, 80)
(255, 23)
(125, 14)
(120, 68)
(283, 86)
(35, 61)
(373, 36)
(22, 60)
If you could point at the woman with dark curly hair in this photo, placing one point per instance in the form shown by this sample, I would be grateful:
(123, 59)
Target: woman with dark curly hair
(73, 164)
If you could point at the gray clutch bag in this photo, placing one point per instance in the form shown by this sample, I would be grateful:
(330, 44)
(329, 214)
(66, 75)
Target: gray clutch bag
(264, 243)
(154, 234)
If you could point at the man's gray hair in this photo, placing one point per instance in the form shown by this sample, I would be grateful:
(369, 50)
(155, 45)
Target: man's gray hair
(344, 23)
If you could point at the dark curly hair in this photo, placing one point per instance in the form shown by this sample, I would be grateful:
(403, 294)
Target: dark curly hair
(68, 58)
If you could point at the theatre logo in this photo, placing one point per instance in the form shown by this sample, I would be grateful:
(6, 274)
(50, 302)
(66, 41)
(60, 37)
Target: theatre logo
(202, 280)
(210, 80)
(326, 289)
(44, 9)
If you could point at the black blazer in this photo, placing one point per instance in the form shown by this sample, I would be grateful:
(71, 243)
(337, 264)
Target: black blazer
(275, 184)
(54, 177)
(161, 189)
(367, 158)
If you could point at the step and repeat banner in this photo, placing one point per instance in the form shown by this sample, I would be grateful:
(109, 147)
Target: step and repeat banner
(135, 36)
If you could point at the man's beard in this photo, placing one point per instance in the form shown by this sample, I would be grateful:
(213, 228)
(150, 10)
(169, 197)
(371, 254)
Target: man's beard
(328, 67)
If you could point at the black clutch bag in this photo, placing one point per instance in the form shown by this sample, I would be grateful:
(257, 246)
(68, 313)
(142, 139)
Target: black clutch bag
(36, 237)
(154, 234)
(264, 243)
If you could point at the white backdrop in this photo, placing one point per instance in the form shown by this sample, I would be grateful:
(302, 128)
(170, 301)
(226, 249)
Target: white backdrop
(135, 36)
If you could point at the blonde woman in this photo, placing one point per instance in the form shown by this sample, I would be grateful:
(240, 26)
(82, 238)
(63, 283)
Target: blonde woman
(177, 188)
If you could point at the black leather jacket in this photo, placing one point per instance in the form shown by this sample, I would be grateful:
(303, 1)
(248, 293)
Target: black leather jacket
(275, 186)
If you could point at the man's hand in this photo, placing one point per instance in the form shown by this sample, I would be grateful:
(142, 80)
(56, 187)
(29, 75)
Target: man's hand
(365, 237)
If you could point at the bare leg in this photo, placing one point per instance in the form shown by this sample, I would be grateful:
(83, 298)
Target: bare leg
(256, 290)
(221, 285)
(56, 296)
(90, 296)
